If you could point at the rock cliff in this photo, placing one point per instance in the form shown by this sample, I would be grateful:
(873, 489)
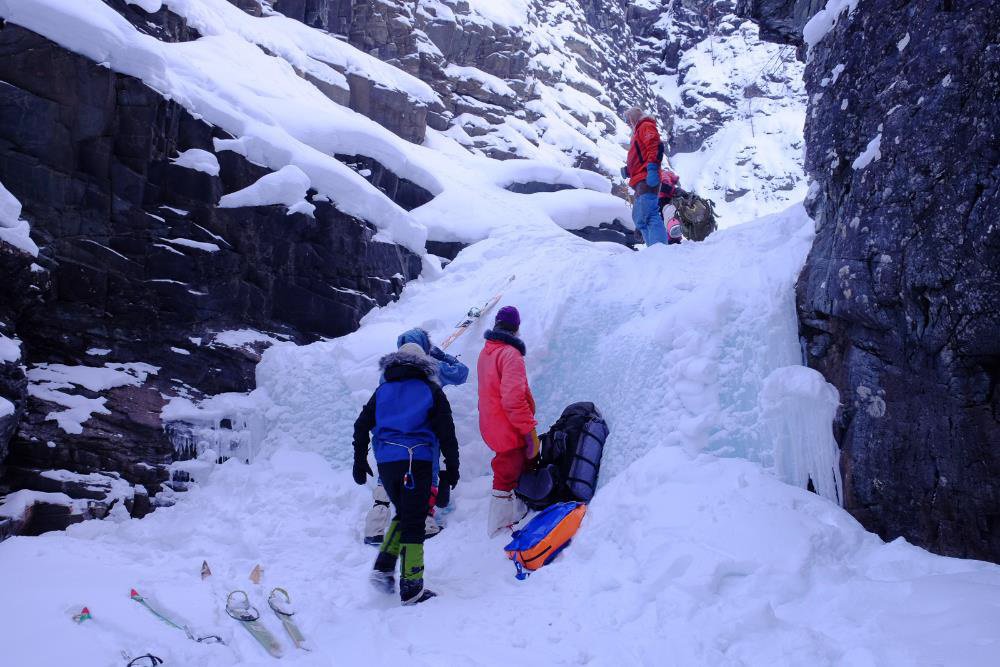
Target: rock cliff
(898, 298)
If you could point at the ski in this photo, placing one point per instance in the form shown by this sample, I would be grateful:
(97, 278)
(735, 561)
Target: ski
(147, 660)
(474, 315)
(247, 615)
(281, 604)
(160, 614)
(84, 615)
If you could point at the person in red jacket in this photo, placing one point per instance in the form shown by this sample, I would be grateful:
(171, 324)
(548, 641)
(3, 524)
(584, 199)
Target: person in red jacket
(642, 169)
(506, 416)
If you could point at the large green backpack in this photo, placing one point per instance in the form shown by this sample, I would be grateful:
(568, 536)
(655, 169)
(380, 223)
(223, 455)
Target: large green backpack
(697, 215)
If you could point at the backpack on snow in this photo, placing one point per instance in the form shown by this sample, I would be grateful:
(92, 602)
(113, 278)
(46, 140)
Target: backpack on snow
(570, 459)
(544, 537)
(697, 215)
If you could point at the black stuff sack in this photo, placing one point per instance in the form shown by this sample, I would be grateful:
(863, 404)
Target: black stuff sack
(570, 459)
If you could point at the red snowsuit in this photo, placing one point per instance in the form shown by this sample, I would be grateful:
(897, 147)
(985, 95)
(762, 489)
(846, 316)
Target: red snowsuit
(506, 409)
(645, 149)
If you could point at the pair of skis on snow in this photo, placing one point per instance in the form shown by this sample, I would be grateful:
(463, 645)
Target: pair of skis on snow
(239, 607)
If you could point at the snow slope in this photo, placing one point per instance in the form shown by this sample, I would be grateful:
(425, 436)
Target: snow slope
(685, 558)
(674, 342)
(695, 551)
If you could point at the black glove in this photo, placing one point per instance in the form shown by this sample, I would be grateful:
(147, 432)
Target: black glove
(361, 470)
(441, 355)
(624, 172)
(449, 477)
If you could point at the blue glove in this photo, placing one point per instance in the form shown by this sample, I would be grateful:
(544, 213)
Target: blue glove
(652, 175)
(624, 172)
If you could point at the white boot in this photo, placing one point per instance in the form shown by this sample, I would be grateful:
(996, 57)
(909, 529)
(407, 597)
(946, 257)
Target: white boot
(378, 517)
(431, 527)
(506, 509)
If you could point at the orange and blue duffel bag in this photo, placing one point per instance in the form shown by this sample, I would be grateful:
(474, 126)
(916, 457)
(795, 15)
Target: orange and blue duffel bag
(544, 537)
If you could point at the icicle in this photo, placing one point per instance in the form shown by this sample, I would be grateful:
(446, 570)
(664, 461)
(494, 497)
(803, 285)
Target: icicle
(797, 407)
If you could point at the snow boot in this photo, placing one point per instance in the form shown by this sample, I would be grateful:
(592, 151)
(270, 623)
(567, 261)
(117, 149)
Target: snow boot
(382, 575)
(412, 591)
(506, 509)
(411, 581)
(378, 517)
(431, 527)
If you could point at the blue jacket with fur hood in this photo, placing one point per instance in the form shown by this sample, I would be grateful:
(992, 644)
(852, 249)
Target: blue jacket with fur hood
(407, 414)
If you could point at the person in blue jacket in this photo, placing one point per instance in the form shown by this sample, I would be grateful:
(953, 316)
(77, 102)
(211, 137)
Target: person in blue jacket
(450, 371)
(410, 420)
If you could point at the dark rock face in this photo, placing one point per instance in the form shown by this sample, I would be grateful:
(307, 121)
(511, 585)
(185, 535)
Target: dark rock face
(138, 265)
(446, 250)
(899, 301)
(610, 232)
(162, 24)
(407, 194)
(780, 21)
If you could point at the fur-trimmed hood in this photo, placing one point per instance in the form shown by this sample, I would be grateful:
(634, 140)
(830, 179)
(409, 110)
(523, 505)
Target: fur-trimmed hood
(405, 366)
(501, 336)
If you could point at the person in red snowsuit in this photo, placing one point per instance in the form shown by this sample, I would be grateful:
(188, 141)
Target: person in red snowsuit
(506, 416)
(642, 168)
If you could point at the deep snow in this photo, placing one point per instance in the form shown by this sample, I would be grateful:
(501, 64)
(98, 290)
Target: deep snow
(685, 558)
(694, 551)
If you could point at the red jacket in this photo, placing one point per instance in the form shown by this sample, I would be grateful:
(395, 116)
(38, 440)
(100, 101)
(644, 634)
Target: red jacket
(645, 148)
(506, 406)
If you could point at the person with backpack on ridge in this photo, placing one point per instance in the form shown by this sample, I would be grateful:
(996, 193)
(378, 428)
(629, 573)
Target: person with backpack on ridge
(506, 417)
(668, 212)
(410, 420)
(450, 371)
(642, 169)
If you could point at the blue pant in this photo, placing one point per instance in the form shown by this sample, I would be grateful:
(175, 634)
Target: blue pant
(647, 219)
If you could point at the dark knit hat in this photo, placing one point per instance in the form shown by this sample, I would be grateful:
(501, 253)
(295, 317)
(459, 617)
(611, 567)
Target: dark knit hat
(508, 318)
